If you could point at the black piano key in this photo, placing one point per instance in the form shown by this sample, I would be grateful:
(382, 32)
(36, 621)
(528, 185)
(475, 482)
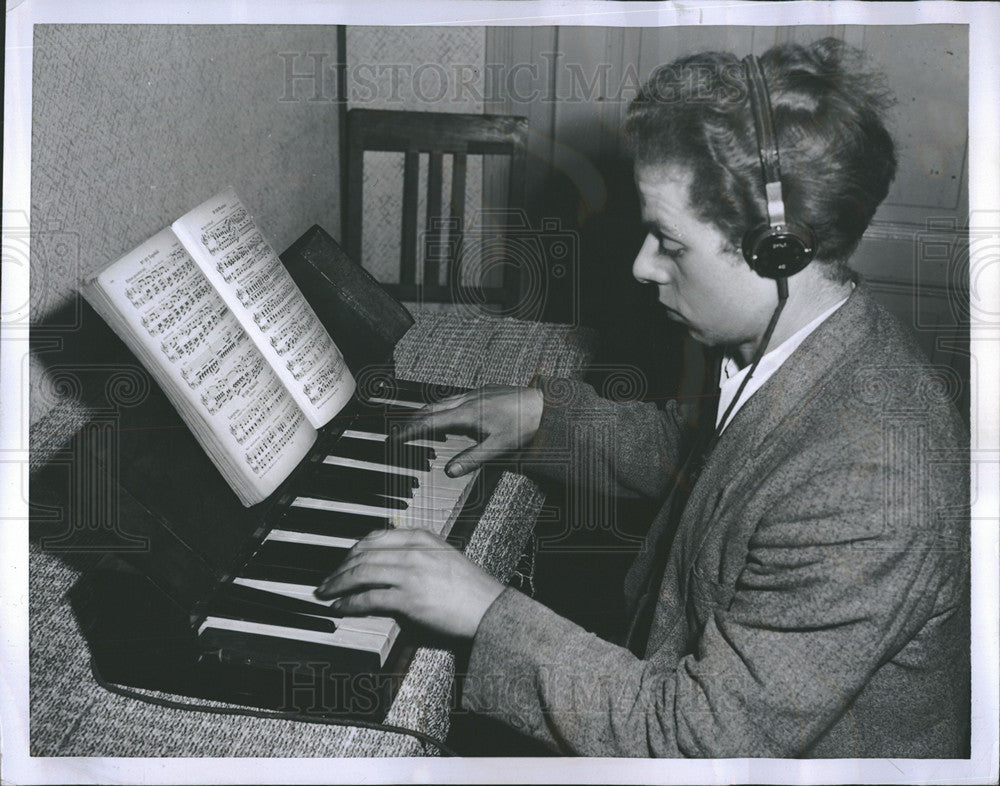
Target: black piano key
(411, 393)
(416, 392)
(284, 573)
(239, 592)
(397, 413)
(241, 609)
(388, 482)
(301, 556)
(379, 418)
(375, 451)
(331, 522)
(409, 390)
(372, 418)
(336, 493)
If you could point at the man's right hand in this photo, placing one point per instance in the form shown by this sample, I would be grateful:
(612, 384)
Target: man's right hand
(503, 418)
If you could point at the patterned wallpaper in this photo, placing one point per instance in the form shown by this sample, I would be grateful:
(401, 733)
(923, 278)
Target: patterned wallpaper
(417, 69)
(133, 125)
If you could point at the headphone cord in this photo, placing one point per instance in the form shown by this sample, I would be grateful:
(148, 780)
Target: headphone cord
(782, 298)
(128, 693)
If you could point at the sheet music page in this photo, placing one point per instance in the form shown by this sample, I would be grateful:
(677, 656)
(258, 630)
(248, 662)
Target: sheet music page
(167, 311)
(229, 248)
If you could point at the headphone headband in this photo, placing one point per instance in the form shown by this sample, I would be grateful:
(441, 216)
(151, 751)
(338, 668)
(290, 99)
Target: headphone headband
(763, 120)
(774, 249)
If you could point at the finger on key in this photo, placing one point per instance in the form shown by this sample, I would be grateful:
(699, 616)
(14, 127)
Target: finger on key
(473, 458)
(423, 425)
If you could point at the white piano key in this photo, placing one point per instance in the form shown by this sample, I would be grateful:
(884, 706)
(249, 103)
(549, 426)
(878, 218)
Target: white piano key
(437, 481)
(428, 521)
(381, 625)
(434, 478)
(343, 461)
(431, 503)
(439, 499)
(375, 436)
(393, 402)
(443, 455)
(372, 436)
(344, 507)
(300, 591)
(308, 538)
(342, 637)
(440, 520)
(454, 442)
(459, 504)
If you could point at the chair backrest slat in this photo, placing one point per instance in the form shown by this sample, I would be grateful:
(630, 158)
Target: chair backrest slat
(408, 244)
(435, 220)
(456, 227)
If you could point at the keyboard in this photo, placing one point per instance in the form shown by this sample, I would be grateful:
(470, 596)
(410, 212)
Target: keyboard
(351, 489)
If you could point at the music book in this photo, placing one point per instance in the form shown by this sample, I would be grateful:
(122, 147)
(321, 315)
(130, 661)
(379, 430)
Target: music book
(217, 320)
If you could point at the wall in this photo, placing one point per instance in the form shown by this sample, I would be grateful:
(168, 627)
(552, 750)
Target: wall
(134, 125)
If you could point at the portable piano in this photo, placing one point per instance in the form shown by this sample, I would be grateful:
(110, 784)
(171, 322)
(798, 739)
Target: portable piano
(200, 596)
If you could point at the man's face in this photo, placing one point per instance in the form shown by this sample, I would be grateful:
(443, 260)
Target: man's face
(704, 285)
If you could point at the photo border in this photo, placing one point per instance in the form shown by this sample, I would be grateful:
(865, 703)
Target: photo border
(984, 162)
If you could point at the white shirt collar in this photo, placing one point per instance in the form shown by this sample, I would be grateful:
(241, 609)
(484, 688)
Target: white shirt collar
(732, 375)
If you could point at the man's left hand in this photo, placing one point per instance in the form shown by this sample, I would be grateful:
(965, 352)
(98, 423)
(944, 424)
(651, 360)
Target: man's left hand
(414, 575)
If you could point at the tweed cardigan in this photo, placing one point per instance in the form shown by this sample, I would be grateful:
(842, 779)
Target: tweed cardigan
(815, 597)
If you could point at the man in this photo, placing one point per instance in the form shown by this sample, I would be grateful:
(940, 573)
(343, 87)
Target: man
(814, 600)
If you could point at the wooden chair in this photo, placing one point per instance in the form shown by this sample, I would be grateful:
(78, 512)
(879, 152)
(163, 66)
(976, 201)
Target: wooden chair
(437, 135)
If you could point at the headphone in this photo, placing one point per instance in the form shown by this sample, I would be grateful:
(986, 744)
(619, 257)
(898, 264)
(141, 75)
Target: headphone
(775, 249)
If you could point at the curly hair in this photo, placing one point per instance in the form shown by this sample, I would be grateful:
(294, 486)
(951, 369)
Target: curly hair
(837, 158)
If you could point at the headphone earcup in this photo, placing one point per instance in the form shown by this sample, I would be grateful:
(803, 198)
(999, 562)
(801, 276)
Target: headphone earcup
(778, 252)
